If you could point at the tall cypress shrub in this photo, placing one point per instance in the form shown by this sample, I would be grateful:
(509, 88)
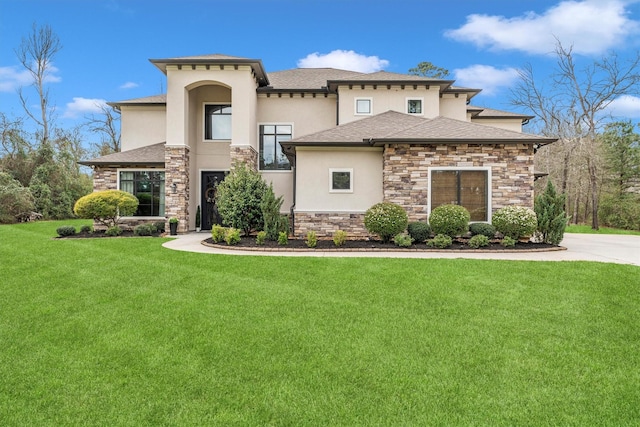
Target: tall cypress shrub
(552, 219)
(270, 206)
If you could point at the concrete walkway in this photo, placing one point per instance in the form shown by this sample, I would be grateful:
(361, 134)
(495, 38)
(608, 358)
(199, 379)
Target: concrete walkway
(619, 249)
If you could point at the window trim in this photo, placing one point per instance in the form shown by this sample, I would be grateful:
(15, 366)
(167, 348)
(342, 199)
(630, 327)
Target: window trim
(118, 170)
(260, 144)
(331, 171)
(414, 98)
(204, 120)
(355, 106)
(463, 168)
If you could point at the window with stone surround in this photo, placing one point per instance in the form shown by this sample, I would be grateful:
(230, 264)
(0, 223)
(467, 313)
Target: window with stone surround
(340, 180)
(468, 187)
(148, 187)
(217, 122)
(271, 155)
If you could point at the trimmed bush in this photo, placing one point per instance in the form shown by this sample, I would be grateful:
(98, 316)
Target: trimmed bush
(508, 242)
(261, 237)
(160, 226)
(515, 221)
(232, 236)
(283, 238)
(86, 229)
(419, 231)
(478, 241)
(113, 231)
(386, 220)
(144, 230)
(66, 230)
(238, 199)
(402, 240)
(482, 228)
(217, 233)
(551, 217)
(312, 239)
(106, 207)
(451, 220)
(441, 241)
(339, 238)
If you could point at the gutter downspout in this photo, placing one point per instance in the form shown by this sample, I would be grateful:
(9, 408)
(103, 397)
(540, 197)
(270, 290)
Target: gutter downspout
(293, 206)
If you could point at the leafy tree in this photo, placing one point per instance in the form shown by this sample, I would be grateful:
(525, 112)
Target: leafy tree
(427, 69)
(270, 206)
(14, 199)
(238, 199)
(552, 219)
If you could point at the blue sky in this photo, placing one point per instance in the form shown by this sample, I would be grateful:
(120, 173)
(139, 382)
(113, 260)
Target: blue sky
(107, 44)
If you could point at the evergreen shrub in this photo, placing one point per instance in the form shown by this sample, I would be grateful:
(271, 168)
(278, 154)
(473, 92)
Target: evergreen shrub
(339, 238)
(440, 241)
(478, 241)
(386, 220)
(452, 220)
(515, 221)
(482, 228)
(551, 217)
(419, 231)
(66, 230)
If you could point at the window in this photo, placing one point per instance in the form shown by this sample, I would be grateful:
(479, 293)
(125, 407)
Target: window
(217, 122)
(148, 187)
(341, 180)
(271, 155)
(363, 106)
(468, 188)
(414, 106)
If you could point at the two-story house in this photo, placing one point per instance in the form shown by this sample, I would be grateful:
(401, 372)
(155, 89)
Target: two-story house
(332, 142)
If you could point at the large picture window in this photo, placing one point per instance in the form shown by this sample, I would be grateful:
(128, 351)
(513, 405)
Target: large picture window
(271, 155)
(217, 122)
(468, 188)
(148, 187)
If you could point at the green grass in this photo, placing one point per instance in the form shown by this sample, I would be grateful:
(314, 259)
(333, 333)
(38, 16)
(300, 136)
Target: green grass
(586, 229)
(122, 332)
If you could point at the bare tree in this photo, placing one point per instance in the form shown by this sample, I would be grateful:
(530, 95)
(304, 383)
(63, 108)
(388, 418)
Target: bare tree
(36, 54)
(106, 125)
(573, 108)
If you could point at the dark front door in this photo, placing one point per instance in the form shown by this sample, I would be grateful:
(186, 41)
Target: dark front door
(210, 182)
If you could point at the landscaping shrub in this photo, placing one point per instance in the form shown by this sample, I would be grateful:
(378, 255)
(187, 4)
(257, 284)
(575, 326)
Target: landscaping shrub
(452, 220)
(113, 231)
(86, 229)
(515, 221)
(478, 241)
(270, 207)
(620, 212)
(312, 239)
(482, 228)
(160, 226)
(386, 220)
(284, 224)
(261, 237)
(339, 238)
(66, 230)
(217, 233)
(508, 242)
(283, 238)
(419, 231)
(232, 236)
(106, 207)
(551, 217)
(402, 240)
(238, 199)
(15, 200)
(440, 241)
(144, 230)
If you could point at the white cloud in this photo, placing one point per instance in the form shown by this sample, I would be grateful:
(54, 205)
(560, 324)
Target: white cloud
(81, 106)
(11, 78)
(129, 85)
(626, 106)
(591, 26)
(344, 60)
(485, 77)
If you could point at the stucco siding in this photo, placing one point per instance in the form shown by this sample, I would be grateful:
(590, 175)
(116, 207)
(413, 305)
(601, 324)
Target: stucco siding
(508, 124)
(142, 125)
(307, 114)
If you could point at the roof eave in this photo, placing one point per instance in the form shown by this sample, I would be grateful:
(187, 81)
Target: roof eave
(377, 142)
(444, 84)
(256, 64)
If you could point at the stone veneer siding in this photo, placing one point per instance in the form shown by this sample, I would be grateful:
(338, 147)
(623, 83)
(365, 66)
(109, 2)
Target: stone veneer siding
(176, 160)
(405, 172)
(244, 154)
(326, 224)
(105, 179)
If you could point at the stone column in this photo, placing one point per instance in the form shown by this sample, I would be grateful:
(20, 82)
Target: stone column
(176, 184)
(244, 154)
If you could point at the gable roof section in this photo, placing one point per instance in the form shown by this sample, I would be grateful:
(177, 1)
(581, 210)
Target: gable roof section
(150, 155)
(393, 127)
(147, 100)
(490, 113)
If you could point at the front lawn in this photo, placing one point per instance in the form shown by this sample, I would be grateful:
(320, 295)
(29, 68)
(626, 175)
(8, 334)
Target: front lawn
(124, 332)
(586, 229)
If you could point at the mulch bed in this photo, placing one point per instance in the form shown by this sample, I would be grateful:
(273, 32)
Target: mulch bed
(249, 243)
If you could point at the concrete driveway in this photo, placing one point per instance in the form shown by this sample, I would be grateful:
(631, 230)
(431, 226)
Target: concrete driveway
(618, 249)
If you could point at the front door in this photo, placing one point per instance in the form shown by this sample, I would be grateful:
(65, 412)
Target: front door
(210, 182)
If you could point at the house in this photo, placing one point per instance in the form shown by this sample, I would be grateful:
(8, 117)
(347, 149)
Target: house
(332, 142)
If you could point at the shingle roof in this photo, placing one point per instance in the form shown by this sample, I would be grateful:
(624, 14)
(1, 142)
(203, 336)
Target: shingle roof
(149, 155)
(307, 78)
(490, 113)
(147, 100)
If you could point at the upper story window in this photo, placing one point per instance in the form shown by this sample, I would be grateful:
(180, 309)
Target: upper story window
(148, 187)
(271, 155)
(364, 106)
(414, 106)
(217, 121)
